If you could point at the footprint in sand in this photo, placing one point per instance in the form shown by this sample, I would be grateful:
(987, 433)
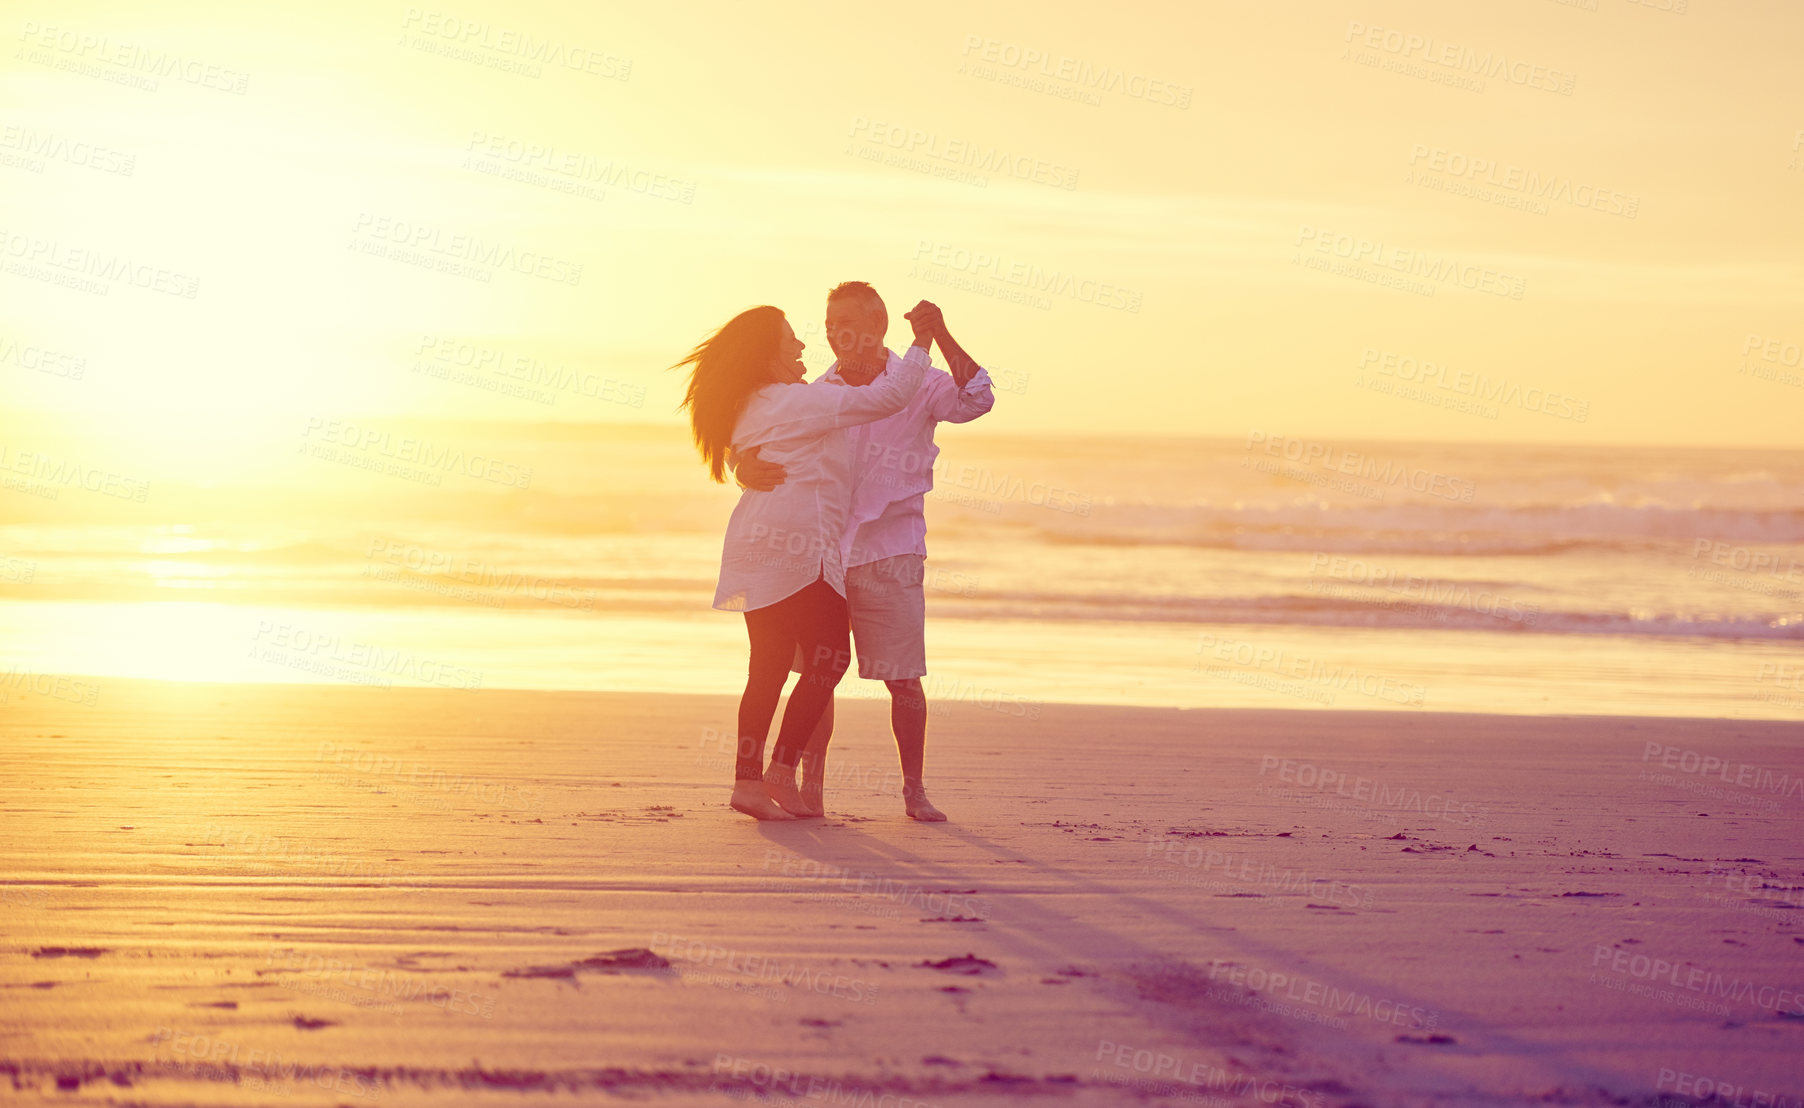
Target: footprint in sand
(968, 964)
(614, 961)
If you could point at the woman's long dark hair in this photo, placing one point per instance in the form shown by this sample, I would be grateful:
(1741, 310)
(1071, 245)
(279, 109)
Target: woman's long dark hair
(725, 368)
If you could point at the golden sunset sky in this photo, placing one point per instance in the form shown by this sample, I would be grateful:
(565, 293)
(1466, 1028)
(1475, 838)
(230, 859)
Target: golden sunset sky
(1173, 219)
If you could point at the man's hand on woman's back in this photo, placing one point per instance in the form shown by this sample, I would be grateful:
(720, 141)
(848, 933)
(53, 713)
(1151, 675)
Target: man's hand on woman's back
(753, 472)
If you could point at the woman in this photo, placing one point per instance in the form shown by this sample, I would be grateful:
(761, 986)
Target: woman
(781, 563)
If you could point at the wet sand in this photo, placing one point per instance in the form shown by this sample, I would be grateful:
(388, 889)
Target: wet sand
(294, 895)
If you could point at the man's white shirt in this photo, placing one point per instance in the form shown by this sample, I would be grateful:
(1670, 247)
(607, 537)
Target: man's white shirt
(892, 463)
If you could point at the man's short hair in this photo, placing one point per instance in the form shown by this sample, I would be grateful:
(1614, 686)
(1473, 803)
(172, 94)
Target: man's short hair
(861, 289)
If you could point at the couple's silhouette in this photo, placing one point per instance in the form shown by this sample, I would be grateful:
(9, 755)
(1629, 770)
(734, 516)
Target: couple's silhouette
(827, 544)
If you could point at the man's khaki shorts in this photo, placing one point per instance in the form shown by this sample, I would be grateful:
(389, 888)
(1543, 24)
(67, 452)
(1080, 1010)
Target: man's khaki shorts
(888, 606)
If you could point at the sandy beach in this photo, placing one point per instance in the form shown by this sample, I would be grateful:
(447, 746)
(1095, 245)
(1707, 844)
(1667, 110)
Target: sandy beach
(1333, 472)
(291, 895)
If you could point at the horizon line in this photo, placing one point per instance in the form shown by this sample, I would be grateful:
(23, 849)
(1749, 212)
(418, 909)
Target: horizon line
(1131, 436)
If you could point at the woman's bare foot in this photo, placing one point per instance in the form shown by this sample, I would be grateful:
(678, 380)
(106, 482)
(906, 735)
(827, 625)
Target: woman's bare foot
(814, 780)
(752, 798)
(915, 802)
(814, 776)
(780, 783)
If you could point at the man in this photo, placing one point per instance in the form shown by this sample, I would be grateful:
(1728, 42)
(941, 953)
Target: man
(885, 544)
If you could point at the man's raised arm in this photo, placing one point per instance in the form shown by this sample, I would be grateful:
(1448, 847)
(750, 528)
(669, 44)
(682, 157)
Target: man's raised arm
(963, 366)
(974, 395)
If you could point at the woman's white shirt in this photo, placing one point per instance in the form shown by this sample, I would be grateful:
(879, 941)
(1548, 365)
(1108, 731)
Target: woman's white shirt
(782, 541)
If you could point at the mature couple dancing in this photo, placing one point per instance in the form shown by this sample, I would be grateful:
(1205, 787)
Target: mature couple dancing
(829, 541)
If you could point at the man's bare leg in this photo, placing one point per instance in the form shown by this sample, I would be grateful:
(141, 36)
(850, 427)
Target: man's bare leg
(814, 761)
(908, 719)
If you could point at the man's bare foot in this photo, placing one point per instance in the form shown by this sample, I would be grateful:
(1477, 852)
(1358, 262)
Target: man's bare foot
(915, 802)
(814, 794)
(780, 782)
(754, 800)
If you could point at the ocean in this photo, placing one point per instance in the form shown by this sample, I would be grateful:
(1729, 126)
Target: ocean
(1271, 571)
